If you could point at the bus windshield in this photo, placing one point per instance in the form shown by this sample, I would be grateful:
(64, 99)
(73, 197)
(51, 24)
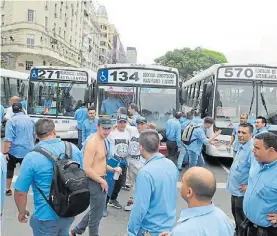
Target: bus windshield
(55, 98)
(234, 98)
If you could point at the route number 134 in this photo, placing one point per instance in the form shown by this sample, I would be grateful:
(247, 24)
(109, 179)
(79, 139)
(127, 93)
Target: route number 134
(124, 76)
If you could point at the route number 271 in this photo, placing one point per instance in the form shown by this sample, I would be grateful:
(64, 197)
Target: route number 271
(124, 76)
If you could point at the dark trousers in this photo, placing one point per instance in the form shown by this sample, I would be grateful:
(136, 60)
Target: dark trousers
(11, 165)
(118, 184)
(261, 231)
(237, 211)
(172, 149)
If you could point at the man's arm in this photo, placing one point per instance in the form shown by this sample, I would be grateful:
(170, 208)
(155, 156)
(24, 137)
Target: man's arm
(178, 138)
(143, 191)
(84, 132)
(9, 136)
(89, 155)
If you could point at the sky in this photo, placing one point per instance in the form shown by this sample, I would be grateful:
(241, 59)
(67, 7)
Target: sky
(245, 31)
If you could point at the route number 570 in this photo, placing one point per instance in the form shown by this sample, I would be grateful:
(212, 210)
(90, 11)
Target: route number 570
(238, 72)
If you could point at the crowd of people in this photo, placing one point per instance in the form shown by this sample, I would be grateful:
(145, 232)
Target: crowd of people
(126, 155)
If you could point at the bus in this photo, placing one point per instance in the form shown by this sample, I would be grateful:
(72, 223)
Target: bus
(224, 91)
(12, 83)
(56, 93)
(154, 88)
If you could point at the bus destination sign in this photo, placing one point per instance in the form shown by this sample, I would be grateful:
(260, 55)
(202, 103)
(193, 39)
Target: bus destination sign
(137, 76)
(243, 72)
(59, 74)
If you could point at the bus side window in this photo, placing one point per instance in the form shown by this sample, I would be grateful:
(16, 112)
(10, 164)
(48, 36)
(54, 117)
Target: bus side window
(206, 108)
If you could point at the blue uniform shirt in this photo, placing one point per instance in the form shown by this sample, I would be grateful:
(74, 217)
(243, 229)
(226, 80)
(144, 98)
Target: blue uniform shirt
(24, 104)
(20, 131)
(134, 118)
(197, 120)
(110, 106)
(200, 138)
(155, 197)
(173, 131)
(261, 195)
(3, 163)
(81, 115)
(260, 131)
(203, 221)
(185, 124)
(239, 170)
(2, 113)
(37, 168)
(89, 127)
(236, 141)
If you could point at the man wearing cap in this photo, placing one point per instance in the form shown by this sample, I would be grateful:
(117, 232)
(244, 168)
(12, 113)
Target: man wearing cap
(9, 112)
(19, 141)
(135, 160)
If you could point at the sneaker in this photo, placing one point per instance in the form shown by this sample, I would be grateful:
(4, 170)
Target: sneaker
(105, 212)
(127, 187)
(9, 192)
(129, 205)
(115, 204)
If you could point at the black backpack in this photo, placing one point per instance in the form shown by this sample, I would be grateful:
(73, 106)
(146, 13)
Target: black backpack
(69, 194)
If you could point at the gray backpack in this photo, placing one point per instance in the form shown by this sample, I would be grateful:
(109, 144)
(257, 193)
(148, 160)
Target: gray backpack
(187, 134)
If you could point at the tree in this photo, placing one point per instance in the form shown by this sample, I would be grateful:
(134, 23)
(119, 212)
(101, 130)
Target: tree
(190, 61)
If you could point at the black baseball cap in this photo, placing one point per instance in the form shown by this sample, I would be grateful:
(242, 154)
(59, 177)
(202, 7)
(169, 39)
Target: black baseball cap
(122, 117)
(105, 123)
(17, 107)
(141, 120)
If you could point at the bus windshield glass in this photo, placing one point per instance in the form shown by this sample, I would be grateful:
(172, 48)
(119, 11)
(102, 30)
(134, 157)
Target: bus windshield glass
(55, 98)
(232, 99)
(157, 104)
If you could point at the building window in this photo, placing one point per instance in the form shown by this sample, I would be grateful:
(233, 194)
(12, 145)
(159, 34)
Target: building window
(72, 10)
(64, 34)
(71, 25)
(2, 3)
(31, 15)
(46, 4)
(30, 41)
(46, 23)
(28, 65)
(60, 31)
(61, 12)
(2, 20)
(70, 40)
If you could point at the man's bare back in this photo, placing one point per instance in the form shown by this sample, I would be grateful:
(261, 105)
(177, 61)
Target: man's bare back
(96, 151)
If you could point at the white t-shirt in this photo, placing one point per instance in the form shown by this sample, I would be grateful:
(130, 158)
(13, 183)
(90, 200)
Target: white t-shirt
(119, 143)
(9, 113)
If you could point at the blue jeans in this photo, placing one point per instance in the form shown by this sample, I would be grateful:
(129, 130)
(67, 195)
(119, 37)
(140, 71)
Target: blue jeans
(59, 227)
(80, 139)
(183, 156)
(195, 159)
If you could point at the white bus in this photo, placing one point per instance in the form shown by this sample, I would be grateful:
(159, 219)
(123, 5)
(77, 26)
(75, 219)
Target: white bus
(155, 89)
(224, 91)
(12, 83)
(57, 92)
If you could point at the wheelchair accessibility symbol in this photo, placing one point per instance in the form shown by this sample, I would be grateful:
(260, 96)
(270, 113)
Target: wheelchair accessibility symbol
(103, 76)
(34, 74)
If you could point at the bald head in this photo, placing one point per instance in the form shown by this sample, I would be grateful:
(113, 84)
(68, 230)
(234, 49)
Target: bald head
(201, 181)
(15, 99)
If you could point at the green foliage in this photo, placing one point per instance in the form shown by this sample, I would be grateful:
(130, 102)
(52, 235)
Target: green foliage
(189, 61)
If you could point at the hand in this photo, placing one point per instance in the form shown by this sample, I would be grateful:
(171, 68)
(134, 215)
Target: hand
(218, 132)
(164, 234)
(272, 218)
(243, 187)
(7, 157)
(23, 217)
(104, 186)
(118, 170)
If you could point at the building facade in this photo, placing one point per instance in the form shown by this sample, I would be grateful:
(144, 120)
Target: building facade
(131, 55)
(119, 54)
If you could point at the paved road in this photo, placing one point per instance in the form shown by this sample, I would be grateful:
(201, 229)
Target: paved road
(115, 224)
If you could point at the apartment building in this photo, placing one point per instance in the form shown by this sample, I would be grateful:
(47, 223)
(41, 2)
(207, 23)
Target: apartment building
(131, 55)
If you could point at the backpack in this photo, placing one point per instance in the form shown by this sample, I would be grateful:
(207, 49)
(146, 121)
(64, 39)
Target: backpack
(69, 194)
(187, 134)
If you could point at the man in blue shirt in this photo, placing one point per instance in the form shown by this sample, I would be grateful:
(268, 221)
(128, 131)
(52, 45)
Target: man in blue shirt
(183, 155)
(2, 113)
(173, 135)
(239, 173)
(19, 140)
(199, 138)
(133, 110)
(260, 125)
(154, 209)
(110, 105)
(3, 169)
(37, 170)
(201, 218)
(90, 125)
(260, 201)
(81, 114)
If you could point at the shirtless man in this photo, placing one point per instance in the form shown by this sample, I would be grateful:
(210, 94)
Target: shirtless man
(95, 166)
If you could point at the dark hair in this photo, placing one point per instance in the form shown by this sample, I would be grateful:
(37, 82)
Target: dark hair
(134, 106)
(91, 108)
(209, 120)
(149, 140)
(190, 115)
(203, 190)
(83, 104)
(248, 125)
(44, 127)
(178, 115)
(270, 140)
(123, 110)
(263, 119)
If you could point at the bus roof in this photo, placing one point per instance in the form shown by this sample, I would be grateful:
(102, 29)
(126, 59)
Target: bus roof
(213, 69)
(14, 74)
(148, 66)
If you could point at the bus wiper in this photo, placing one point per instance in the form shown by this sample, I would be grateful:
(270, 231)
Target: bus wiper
(253, 97)
(262, 97)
